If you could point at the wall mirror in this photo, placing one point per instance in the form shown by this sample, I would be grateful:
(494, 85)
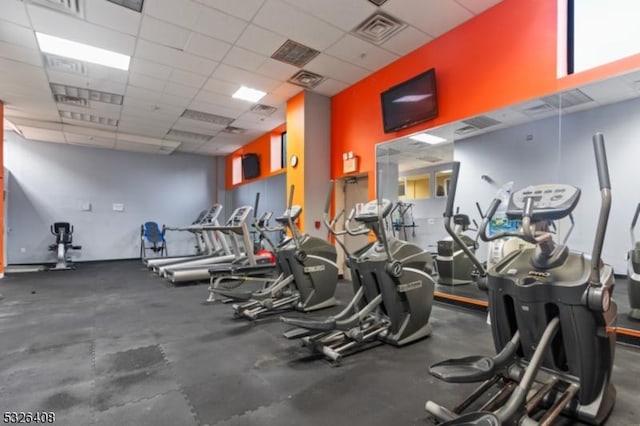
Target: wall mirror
(544, 140)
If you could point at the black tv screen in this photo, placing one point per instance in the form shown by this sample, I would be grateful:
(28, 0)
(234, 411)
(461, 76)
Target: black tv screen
(250, 166)
(410, 102)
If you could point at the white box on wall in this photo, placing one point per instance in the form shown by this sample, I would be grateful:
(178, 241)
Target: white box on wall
(118, 207)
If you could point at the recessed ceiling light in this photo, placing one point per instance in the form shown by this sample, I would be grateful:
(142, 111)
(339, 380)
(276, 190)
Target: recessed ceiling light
(248, 94)
(427, 138)
(82, 52)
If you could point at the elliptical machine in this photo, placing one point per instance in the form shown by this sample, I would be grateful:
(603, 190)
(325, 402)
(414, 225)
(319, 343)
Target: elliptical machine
(455, 266)
(63, 231)
(552, 320)
(393, 292)
(308, 272)
(633, 270)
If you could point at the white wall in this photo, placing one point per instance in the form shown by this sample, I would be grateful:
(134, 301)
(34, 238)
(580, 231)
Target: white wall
(49, 182)
(562, 152)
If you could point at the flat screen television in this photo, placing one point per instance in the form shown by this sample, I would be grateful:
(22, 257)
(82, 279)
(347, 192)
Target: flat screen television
(250, 166)
(410, 102)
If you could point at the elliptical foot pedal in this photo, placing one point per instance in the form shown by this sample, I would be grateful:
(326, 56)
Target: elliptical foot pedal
(235, 295)
(297, 333)
(464, 370)
(480, 418)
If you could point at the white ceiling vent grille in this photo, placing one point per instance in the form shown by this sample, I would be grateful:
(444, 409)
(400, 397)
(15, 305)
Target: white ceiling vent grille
(234, 130)
(58, 63)
(135, 5)
(262, 109)
(87, 94)
(71, 100)
(378, 28)
(205, 116)
(306, 79)
(184, 136)
(481, 122)
(465, 130)
(294, 53)
(70, 7)
(567, 99)
(81, 116)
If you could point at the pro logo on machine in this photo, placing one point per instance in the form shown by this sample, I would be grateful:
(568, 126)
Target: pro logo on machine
(539, 274)
(403, 288)
(309, 269)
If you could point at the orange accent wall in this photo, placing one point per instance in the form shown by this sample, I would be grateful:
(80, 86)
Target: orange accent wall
(260, 146)
(295, 146)
(506, 55)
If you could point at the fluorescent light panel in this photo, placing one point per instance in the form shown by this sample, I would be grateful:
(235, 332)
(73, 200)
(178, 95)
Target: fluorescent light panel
(427, 138)
(248, 94)
(82, 52)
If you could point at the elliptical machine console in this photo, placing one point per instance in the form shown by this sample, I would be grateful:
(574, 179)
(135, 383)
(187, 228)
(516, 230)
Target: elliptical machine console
(552, 320)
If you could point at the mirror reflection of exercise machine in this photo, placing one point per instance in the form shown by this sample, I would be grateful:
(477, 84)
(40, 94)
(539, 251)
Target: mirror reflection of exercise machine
(63, 231)
(633, 270)
(402, 219)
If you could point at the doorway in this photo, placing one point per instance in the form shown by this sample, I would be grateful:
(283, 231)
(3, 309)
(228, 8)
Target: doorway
(350, 191)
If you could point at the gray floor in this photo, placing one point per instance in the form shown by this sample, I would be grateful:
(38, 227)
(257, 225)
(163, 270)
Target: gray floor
(110, 344)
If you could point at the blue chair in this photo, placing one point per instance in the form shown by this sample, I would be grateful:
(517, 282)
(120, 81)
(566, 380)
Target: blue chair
(152, 238)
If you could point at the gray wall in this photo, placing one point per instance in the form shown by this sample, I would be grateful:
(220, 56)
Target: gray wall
(49, 182)
(562, 152)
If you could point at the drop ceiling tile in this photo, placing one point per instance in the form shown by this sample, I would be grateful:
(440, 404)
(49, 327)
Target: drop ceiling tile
(164, 33)
(136, 126)
(210, 149)
(407, 40)
(146, 82)
(361, 53)
(85, 131)
(99, 72)
(220, 86)
(219, 25)
(478, 6)
(330, 87)
(245, 9)
(345, 15)
(91, 141)
(433, 17)
(284, 19)
(141, 93)
(260, 40)
(235, 106)
(287, 90)
(187, 78)
(208, 47)
(189, 147)
(247, 122)
(20, 121)
(14, 11)
(174, 58)
(195, 126)
(245, 59)
(18, 35)
(138, 106)
(211, 108)
(276, 69)
(61, 25)
(243, 77)
(18, 53)
(184, 13)
(112, 16)
(180, 90)
(154, 69)
(329, 66)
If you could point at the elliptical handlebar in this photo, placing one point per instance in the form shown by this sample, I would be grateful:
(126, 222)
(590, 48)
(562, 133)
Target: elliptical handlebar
(360, 230)
(294, 231)
(633, 225)
(605, 206)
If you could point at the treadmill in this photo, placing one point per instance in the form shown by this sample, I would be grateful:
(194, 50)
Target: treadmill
(214, 243)
(237, 230)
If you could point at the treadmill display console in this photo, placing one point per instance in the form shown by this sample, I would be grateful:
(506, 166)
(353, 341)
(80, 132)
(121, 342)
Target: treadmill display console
(550, 201)
(239, 216)
(294, 212)
(369, 212)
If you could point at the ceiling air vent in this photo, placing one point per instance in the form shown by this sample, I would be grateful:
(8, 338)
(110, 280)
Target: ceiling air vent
(87, 94)
(135, 5)
(295, 53)
(185, 136)
(88, 117)
(306, 79)
(234, 130)
(567, 99)
(481, 122)
(378, 2)
(262, 109)
(58, 63)
(378, 28)
(538, 109)
(70, 7)
(465, 130)
(71, 100)
(205, 116)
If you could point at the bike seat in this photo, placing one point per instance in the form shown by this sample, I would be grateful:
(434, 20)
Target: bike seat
(464, 370)
(480, 418)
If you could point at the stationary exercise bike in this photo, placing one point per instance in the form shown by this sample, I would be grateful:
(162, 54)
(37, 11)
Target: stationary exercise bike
(552, 320)
(633, 270)
(63, 231)
(307, 279)
(393, 290)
